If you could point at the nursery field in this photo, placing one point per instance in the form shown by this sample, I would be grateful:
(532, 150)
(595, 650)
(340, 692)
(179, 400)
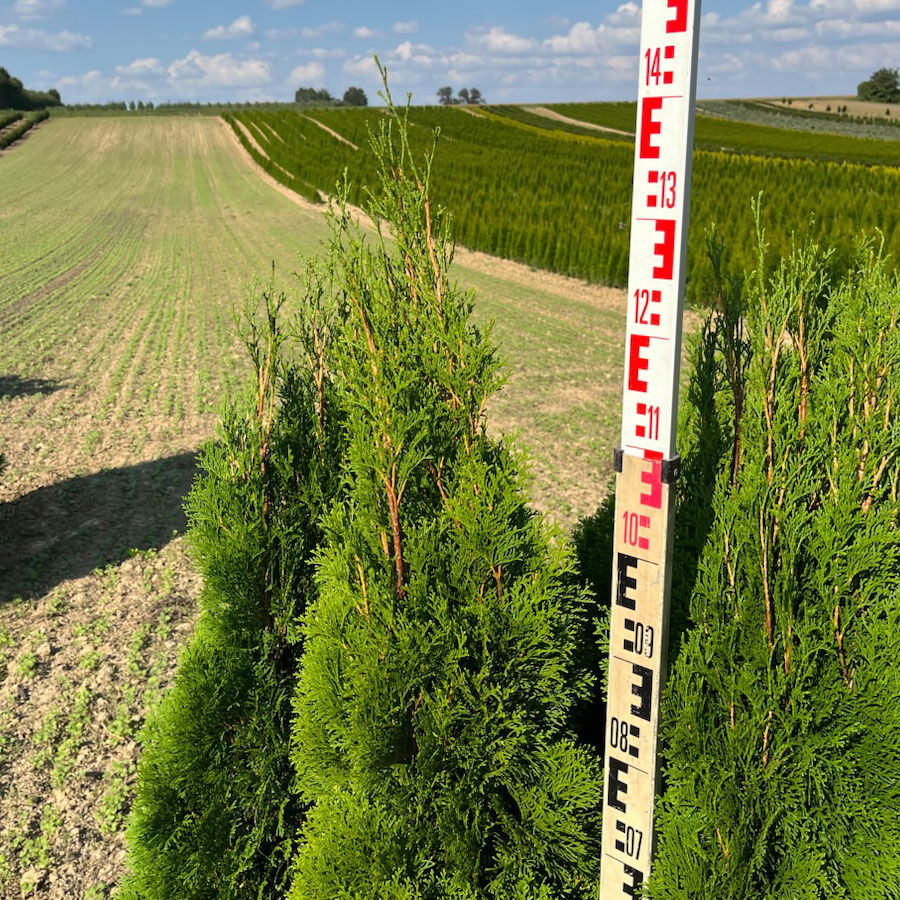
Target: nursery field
(127, 244)
(563, 200)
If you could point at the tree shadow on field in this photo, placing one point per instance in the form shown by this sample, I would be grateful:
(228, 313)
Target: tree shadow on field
(67, 530)
(15, 386)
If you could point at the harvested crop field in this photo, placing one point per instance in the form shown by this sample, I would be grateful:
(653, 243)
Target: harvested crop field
(127, 245)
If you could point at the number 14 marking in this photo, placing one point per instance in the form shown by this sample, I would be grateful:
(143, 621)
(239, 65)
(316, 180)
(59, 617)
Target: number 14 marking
(653, 65)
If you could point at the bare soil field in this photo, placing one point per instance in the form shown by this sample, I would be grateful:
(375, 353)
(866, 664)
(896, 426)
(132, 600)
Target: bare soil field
(830, 104)
(127, 244)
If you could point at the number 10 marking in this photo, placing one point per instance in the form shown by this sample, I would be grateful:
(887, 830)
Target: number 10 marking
(632, 523)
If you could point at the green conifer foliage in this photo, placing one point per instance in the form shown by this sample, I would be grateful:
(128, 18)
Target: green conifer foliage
(214, 816)
(432, 737)
(782, 717)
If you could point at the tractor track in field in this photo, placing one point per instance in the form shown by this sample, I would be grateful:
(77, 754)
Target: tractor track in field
(559, 117)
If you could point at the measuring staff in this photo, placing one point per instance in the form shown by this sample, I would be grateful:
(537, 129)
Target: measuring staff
(647, 461)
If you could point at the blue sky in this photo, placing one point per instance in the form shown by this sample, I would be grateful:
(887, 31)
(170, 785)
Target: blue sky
(513, 50)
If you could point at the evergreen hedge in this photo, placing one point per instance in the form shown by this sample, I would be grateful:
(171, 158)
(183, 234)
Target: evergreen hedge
(433, 737)
(214, 815)
(781, 731)
(23, 126)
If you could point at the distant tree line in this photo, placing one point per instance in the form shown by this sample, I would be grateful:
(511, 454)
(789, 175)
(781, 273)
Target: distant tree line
(14, 95)
(308, 96)
(882, 87)
(464, 97)
(209, 108)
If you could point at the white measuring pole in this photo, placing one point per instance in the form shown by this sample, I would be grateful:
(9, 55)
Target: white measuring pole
(647, 462)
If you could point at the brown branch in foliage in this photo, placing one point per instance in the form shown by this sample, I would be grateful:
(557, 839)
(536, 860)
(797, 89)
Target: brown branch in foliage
(728, 564)
(787, 652)
(839, 639)
(764, 566)
(723, 846)
(765, 740)
(435, 471)
(363, 587)
(393, 502)
(735, 380)
(774, 348)
(432, 255)
(497, 572)
(411, 278)
(882, 466)
(804, 372)
(320, 374)
(265, 413)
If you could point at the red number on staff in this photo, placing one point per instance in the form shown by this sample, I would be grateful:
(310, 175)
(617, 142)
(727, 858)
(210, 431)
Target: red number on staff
(630, 528)
(654, 66)
(641, 302)
(667, 184)
(653, 423)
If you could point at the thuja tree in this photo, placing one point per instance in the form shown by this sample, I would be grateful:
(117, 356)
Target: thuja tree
(214, 815)
(782, 719)
(432, 737)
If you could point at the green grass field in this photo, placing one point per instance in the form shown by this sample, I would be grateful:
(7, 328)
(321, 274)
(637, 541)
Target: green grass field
(127, 244)
(712, 133)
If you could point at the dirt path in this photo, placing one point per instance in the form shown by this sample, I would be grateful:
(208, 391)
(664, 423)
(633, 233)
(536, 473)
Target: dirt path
(331, 131)
(247, 134)
(559, 117)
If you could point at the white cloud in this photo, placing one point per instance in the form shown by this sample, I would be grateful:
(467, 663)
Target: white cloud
(307, 32)
(95, 86)
(865, 7)
(361, 65)
(816, 59)
(499, 40)
(416, 53)
(37, 9)
(150, 4)
(241, 27)
(788, 35)
(325, 53)
(142, 67)
(365, 32)
(36, 39)
(222, 70)
(310, 73)
(848, 29)
(409, 27)
(585, 38)
(628, 14)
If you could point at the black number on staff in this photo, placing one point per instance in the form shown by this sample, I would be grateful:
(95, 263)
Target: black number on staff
(643, 640)
(618, 734)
